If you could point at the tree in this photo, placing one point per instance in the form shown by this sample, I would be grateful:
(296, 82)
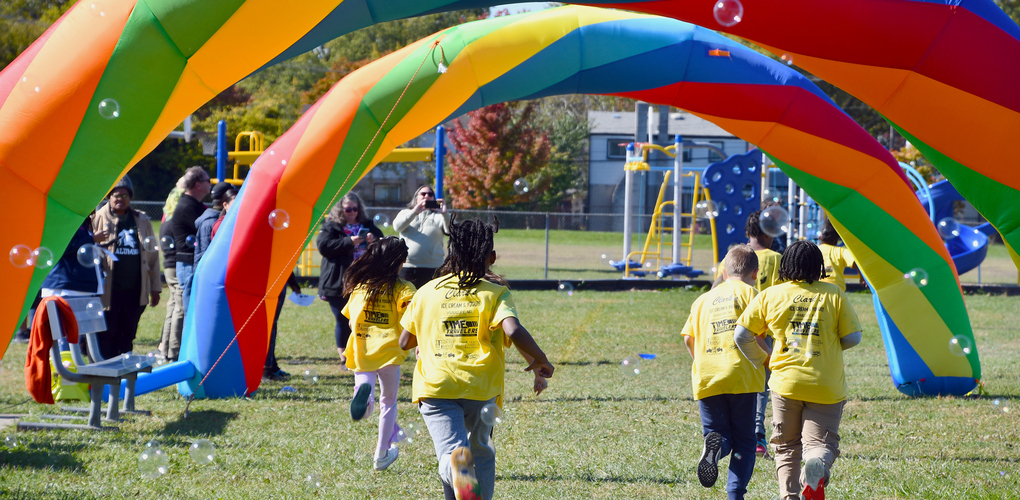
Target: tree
(565, 119)
(500, 144)
(23, 21)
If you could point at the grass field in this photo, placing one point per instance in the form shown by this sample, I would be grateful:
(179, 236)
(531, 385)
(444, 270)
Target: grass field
(595, 434)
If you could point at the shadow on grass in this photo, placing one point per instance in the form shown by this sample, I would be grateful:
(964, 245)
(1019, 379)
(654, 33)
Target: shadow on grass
(603, 399)
(586, 477)
(55, 456)
(46, 492)
(333, 360)
(888, 458)
(198, 422)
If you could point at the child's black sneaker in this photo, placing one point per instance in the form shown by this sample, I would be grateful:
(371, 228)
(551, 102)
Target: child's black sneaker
(359, 405)
(708, 466)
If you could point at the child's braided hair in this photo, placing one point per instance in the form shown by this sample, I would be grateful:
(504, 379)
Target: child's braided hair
(802, 261)
(377, 269)
(467, 252)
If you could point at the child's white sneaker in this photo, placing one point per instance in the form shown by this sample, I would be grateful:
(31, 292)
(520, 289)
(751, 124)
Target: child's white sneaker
(386, 460)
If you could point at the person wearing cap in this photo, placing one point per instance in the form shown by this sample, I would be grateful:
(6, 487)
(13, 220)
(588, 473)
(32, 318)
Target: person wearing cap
(132, 281)
(204, 223)
(189, 209)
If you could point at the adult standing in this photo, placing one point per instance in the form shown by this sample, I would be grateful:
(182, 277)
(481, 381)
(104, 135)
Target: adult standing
(204, 223)
(132, 281)
(189, 209)
(422, 229)
(344, 237)
(173, 323)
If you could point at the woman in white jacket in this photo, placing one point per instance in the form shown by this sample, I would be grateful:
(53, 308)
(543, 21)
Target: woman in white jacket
(422, 230)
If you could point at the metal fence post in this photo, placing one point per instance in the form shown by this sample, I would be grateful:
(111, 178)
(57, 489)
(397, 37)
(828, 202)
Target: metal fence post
(547, 245)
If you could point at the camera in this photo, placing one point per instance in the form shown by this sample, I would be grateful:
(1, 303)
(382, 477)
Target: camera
(432, 204)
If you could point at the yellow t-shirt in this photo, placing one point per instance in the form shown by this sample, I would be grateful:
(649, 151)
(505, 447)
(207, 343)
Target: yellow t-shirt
(460, 339)
(374, 341)
(768, 268)
(719, 367)
(836, 259)
(807, 321)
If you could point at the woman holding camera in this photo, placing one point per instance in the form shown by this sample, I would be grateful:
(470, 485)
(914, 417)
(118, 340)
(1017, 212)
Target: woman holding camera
(344, 237)
(422, 225)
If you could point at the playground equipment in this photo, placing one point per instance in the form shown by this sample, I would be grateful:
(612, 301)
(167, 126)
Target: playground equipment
(734, 184)
(757, 99)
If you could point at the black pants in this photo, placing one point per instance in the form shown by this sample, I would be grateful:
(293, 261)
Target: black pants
(121, 323)
(271, 366)
(343, 325)
(417, 275)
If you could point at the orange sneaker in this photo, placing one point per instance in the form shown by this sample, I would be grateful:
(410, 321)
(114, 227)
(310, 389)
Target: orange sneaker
(465, 485)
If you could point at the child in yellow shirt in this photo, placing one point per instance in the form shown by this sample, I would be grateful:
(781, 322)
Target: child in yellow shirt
(812, 323)
(461, 322)
(836, 257)
(377, 298)
(726, 384)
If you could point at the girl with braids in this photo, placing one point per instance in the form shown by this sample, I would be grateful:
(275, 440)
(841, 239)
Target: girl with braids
(461, 322)
(377, 298)
(812, 323)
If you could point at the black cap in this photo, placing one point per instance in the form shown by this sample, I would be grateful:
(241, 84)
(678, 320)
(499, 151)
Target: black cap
(220, 189)
(125, 182)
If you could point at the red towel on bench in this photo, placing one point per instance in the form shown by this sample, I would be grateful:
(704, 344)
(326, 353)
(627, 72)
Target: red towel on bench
(37, 362)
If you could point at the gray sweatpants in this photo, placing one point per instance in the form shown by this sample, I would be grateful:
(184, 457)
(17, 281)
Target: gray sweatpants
(449, 422)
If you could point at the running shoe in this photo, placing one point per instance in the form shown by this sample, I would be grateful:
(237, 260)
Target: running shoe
(381, 463)
(813, 479)
(708, 466)
(465, 485)
(359, 405)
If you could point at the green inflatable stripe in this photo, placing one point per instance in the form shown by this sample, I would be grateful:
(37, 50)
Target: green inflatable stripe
(895, 243)
(995, 201)
(190, 24)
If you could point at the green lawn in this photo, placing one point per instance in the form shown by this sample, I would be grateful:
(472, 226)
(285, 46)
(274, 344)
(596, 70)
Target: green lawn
(595, 434)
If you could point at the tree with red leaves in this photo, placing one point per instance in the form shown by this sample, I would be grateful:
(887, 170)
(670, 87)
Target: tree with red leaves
(499, 145)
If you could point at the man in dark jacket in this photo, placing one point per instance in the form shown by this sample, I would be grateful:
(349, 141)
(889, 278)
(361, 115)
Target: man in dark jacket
(189, 209)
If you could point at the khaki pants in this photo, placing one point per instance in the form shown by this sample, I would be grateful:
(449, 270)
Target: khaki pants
(173, 324)
(802, 430)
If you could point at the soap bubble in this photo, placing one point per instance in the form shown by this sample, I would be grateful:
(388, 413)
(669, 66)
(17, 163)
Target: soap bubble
(313, 481)
(522, 186)
(21, 256)
(566, 288)
(96, 9)
(607, 260)
(774, 221)
(190, 242)
(728, 12)
(917, 277)
(491, 414)
(381, 220)
(42, 258)
(29, 84)
(109, 109)
(279, 219)
(769, 195)
(960, 345)
(94, 309)
(787, 58)
(948, 228)
(706, 209)
(11, 442)
(153, 463)
(152, 444)
(150, 244)
(202, 451)
(631, 365)
(167, 242)
(311, 376)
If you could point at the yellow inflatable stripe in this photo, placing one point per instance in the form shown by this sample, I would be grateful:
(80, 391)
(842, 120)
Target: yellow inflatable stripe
(917, 319)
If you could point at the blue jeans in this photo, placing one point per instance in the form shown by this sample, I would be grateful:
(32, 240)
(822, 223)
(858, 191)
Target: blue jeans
(342, 332)
(732, 416)
(185, 275)
(449, 422)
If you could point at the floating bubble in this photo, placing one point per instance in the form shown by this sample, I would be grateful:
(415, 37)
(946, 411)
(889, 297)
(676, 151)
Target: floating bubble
(42, 258)
(190, 242)
(607, 260)
(737, 456)
(810, 231)
(948, 228)
(21, 256)
(381, 220)
(491, 414)
(311, 376)
(150, 244)
(774, 221)
(631, 366)
(312, 481)
(787, 58)
(11, 442)
(917, 277)
(167, 242)
(29, 84)
(152, 444)
(522, 186)
(97, 9)
(109, 109)
(960, 345)
(94, 309)
(202, 451)
(279, 219)
(153, 463)
(728, 12)
(566, 288)
(769, 195)
(706, 209)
